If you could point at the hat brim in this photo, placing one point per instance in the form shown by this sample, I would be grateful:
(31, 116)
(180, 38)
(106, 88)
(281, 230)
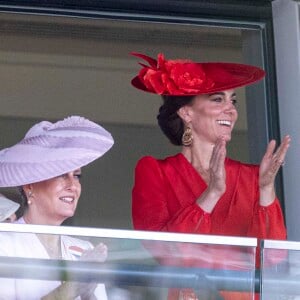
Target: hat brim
(49, 150)
(13, 175)
(225, 76)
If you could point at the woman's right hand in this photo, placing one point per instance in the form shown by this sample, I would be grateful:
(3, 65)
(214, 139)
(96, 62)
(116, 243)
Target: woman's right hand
(217, 181)
(217, 177)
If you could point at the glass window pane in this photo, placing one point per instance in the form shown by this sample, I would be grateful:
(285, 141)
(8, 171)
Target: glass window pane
(52, 67)
(280, 270)
(119, 264)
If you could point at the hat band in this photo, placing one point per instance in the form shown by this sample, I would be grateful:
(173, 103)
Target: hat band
(63, 142)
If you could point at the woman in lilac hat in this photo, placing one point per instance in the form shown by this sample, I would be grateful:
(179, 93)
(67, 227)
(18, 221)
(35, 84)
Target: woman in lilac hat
(200, 190)
(46, 166)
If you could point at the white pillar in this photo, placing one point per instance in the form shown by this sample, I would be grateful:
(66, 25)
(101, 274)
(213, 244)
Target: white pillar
(287, 54)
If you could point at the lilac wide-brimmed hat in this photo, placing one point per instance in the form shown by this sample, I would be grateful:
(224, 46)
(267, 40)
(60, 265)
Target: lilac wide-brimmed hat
(52, 149)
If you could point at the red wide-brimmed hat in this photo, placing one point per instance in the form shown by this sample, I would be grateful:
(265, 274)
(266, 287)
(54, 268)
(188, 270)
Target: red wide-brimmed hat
(187, 78)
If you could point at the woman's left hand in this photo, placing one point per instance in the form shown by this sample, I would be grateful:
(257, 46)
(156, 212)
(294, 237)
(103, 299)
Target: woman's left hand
(97, 254)
(269, 167)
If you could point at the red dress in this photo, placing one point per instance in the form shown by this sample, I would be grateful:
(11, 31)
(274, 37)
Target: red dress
(165, 193)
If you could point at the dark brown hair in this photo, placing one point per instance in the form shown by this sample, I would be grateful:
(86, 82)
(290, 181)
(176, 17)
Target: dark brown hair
(169, 121)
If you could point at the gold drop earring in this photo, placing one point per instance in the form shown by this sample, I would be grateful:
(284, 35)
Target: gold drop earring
(187, 137)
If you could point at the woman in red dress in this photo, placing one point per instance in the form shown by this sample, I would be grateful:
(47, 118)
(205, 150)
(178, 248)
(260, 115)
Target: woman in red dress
(201, 190)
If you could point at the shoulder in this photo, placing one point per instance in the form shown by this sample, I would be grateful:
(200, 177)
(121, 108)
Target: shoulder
(150, 169)
(147, 161)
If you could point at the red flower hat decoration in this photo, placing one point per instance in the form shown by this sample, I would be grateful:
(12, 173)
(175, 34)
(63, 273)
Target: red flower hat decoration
(185, 77)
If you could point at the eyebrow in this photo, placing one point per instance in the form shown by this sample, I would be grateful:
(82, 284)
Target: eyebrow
(222, 94)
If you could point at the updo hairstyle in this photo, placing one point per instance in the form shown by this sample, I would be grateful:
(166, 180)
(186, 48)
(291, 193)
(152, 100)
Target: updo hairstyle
(169, 121)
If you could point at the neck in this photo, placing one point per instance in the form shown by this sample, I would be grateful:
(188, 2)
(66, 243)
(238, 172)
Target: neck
(51, 243)
(199, 154)
(37, 218)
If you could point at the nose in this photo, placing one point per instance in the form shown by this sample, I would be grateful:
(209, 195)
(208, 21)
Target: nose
(229, 106)
(71, 181)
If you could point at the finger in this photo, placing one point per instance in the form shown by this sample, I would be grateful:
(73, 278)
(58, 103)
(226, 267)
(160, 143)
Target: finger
(275, 167)
(280, 153)
(101, 246)
(270, 149)
(100, 249)
(214, 154)
(216, 148)
(219, 156)
(282, 149)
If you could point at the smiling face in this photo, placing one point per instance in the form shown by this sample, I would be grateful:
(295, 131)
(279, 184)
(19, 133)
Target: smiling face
(53, 200)
(211, 116)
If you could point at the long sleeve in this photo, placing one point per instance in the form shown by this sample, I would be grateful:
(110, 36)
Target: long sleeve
(164, 198)
(151, 208)
(165, 194)
(268, 222)
(13, 244)
(27, 245)
(7, 284)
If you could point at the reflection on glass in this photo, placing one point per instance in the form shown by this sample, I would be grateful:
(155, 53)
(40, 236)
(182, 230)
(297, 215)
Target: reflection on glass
(132, 268)
(280, 270)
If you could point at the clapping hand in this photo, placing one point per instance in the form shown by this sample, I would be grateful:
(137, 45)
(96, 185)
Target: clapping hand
(71, 290)
(217, 178)
(269, 167)
(97, 254)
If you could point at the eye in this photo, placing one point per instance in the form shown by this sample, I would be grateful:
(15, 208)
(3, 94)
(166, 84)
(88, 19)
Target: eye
(234, 102)
(217, 99)
(78, 176)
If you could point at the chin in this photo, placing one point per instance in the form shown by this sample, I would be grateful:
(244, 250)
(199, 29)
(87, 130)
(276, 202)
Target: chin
(69, 214)
(226, 137)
